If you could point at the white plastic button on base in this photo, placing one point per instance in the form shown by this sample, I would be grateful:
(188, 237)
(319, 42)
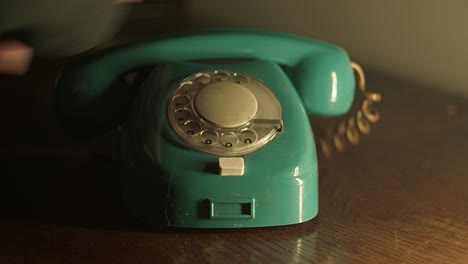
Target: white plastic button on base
(231, 166)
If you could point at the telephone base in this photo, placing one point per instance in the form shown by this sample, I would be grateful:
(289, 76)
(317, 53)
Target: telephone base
(169, 183)
(162, 204)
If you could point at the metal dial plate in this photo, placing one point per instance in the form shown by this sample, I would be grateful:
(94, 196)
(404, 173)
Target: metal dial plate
(224, 122)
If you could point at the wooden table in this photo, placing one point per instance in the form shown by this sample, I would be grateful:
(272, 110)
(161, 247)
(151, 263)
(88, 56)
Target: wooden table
(401, 196)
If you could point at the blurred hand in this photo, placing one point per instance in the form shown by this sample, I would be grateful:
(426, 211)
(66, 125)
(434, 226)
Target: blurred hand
(15, 56)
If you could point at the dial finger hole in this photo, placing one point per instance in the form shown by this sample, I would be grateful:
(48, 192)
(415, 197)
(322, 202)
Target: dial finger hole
(240, 79)
(187, 87)
(181, 101)
(221, 76)
(192, 127)
(182, 115)
(248, 136)
(203, 79)
(229, 139)
(209, 136)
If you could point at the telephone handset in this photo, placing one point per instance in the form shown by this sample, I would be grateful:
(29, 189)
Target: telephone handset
(212, 144)
(320, 72)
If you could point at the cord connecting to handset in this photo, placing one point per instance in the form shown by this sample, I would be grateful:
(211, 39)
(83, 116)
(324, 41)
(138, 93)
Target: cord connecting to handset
(349, 131)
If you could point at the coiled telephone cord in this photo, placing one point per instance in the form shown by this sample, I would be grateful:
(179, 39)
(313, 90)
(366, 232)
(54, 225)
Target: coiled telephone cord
(349, 131)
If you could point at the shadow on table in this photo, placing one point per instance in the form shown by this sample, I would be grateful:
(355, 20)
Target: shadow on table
(50, 188)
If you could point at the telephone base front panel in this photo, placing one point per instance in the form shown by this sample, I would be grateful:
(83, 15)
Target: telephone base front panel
(184, 188)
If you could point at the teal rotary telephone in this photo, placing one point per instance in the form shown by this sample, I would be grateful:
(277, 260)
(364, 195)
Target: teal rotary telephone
(209, 144)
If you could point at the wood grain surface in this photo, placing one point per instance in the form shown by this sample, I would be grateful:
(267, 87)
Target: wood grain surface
(401, 196)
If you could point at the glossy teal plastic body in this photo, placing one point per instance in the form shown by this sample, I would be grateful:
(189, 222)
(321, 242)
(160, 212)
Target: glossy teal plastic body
(166, 182)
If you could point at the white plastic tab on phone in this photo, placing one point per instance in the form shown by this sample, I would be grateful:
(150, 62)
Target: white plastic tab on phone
(231, 166)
